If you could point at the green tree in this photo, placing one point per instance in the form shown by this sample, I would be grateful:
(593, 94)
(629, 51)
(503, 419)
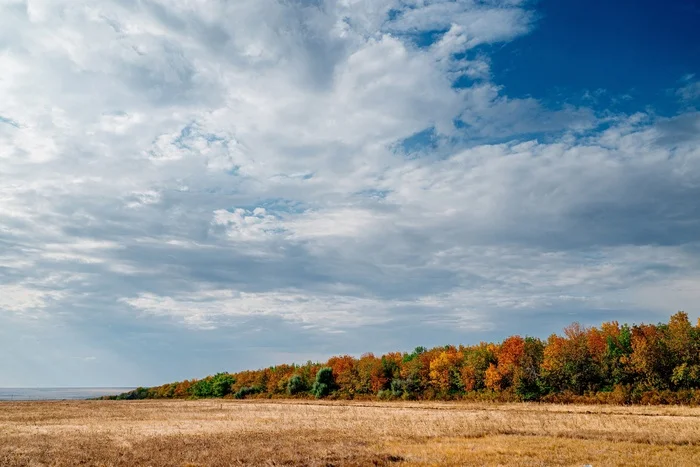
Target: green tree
(203, 388)
(416, 352)
(221, 384)
(296, 385)
(324, 383)
(526, 377)
(615, 364)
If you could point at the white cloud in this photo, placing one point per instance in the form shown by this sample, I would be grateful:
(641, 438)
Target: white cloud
(144, 198)
(342, 222)
(214, 162)
(242, 225)
(468, 24)
(209, 308)
(21, 299)
(84, 251)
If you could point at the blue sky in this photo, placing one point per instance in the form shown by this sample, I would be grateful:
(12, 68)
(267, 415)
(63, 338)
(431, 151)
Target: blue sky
(188, 188)
(619, 56)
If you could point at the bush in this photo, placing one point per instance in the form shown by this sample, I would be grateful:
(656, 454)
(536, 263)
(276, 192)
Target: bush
(406, 389)
(529, 389)
(398, 387)
(295, 385)
(136, 394)
(246, 391)
(324, 383)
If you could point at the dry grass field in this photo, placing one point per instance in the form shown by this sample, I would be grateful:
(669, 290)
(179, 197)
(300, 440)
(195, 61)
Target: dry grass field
(222, 433)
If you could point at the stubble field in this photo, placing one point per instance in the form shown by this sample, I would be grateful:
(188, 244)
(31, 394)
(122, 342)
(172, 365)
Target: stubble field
(222, 433)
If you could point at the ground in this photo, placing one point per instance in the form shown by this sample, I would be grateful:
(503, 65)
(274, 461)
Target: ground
(226, 432)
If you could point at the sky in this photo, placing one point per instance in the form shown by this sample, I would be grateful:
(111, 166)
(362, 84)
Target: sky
(192, 186)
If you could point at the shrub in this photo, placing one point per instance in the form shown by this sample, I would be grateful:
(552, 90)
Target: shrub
(246, 391)
(295, 385)
(398, 387)
(136, 394)
(324, 383)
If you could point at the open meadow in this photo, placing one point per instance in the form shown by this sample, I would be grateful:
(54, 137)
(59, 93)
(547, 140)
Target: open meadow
(226, 432)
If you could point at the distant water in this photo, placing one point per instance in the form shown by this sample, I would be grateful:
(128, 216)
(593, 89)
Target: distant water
(52, 394)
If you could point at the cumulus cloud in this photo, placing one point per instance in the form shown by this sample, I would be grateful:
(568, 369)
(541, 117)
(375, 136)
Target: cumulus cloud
(312, 167)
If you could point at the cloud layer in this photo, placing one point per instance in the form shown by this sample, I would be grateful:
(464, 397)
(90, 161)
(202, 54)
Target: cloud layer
(306, 169)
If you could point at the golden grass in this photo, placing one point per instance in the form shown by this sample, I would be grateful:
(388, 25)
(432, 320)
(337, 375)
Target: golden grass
(222, 433)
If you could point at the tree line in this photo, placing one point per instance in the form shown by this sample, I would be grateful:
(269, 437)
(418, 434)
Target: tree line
(613, 363)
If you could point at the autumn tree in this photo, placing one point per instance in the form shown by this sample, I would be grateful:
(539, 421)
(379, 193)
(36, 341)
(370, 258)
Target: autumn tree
(683, 343)
(278, 378)
(476, 362)
(183, 389)
(499, 376)
(644, 363)
(415, 374)
(568, 364)
(372, 375)
(445, 373)
(650, 357)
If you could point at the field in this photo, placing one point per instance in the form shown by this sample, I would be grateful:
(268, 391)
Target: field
(224, 432)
